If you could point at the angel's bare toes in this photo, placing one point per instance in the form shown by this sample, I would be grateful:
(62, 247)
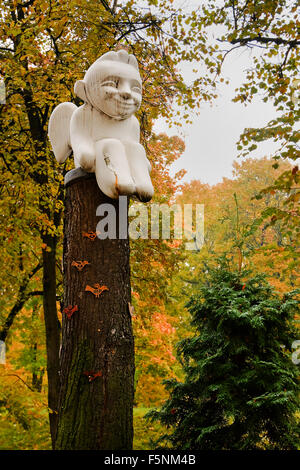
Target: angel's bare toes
(145, 192)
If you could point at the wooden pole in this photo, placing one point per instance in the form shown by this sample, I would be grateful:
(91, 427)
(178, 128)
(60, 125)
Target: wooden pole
(97, 352)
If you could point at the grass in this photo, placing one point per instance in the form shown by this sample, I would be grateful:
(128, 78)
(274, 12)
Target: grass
(144, 431)
(14, 437)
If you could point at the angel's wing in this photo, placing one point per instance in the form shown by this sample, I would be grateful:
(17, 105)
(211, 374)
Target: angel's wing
(59, 130)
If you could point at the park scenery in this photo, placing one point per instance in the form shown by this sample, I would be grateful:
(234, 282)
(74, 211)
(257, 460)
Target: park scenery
(149, 224)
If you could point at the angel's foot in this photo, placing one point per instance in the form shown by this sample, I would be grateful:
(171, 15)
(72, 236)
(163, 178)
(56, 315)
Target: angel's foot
(144, 191)
(140, 170)
(112, 170)
(85, 159)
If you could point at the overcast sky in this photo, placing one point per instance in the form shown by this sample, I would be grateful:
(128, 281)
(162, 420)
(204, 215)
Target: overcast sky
(211, 139)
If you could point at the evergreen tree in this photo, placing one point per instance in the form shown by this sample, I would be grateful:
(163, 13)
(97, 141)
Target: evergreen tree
(240, 389)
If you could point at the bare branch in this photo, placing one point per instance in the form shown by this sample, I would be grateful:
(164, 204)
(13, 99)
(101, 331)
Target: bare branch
(262, 40)
(22, 298)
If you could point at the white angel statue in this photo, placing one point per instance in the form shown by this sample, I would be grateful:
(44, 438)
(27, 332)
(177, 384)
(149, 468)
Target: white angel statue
(103, 133)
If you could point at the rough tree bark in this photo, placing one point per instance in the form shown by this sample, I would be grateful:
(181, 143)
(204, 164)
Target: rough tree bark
(97, 353)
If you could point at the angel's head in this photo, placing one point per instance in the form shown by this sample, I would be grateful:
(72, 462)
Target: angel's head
(112, 85)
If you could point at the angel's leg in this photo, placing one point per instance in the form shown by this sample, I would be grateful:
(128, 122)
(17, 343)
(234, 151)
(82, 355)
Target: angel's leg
(140, 170)
(112, 169)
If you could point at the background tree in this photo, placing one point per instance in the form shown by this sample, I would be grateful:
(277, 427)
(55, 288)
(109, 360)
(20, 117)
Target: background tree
(233, 224)
(270, 31)
(240, 389)
(154, 264)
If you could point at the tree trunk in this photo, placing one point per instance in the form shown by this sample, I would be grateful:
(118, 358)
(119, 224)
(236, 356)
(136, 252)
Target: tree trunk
(52, 328)
(97, 354)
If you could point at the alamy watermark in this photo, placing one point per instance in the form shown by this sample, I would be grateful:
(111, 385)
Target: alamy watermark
(2, 92)
(296, 353)
(2, 352)
(152, 221)
(296, 91)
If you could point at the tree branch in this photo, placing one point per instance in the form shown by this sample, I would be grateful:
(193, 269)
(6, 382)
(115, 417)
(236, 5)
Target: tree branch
(20, 302)
(262, 40)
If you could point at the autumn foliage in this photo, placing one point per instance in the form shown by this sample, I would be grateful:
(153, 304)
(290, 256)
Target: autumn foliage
(252, 217)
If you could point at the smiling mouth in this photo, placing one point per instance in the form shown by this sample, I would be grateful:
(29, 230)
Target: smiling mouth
(124, 103)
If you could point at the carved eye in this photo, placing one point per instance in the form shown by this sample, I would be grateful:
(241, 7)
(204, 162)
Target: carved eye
(136, 89)
(111, 83)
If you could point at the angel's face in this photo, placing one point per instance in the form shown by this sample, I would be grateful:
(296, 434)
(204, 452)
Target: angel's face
(115, 89)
